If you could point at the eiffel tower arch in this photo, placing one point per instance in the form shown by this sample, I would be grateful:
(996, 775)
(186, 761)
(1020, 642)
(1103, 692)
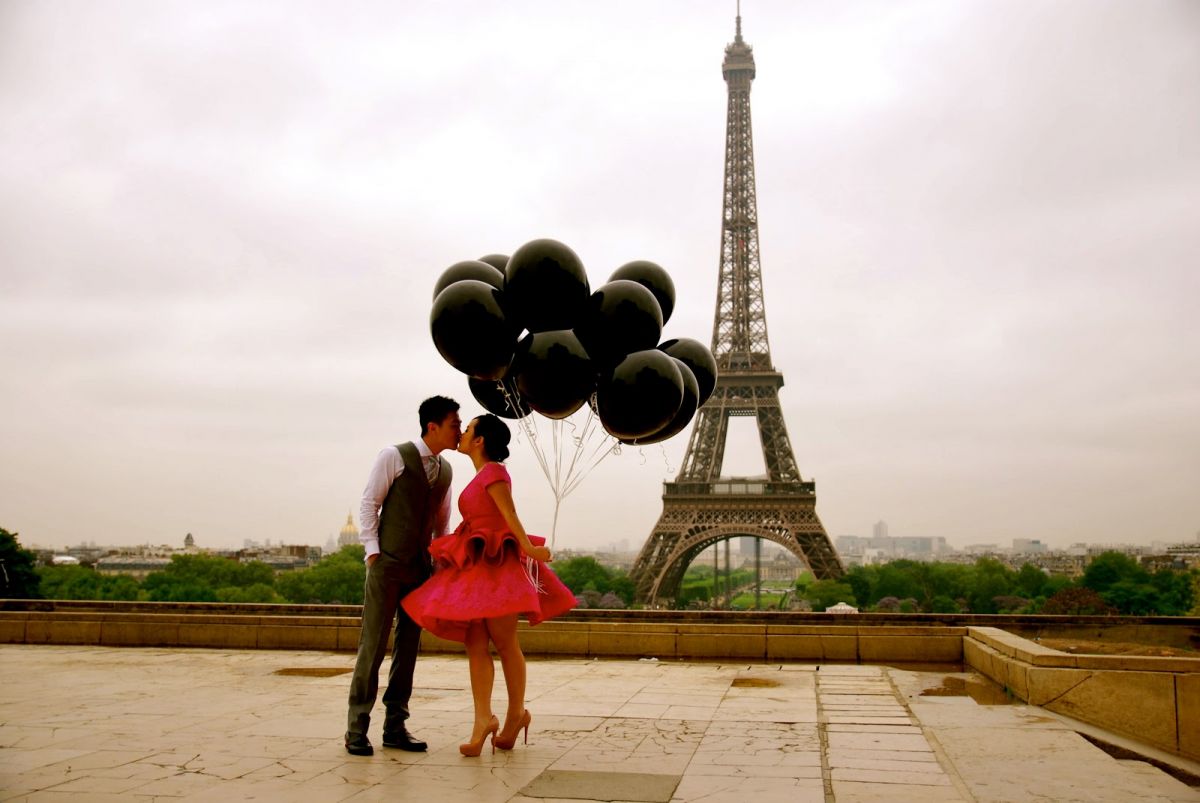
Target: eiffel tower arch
(702, 508)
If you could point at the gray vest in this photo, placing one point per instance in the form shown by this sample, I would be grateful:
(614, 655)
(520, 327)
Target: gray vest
(409, 511)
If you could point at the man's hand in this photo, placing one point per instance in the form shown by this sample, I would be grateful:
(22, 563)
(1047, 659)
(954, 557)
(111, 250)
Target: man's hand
(371, 559)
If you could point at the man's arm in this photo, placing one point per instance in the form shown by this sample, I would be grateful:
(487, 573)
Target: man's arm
(441, 526)
(388, 466)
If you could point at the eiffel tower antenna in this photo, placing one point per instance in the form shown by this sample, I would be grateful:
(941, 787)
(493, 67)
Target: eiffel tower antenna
(701, 508)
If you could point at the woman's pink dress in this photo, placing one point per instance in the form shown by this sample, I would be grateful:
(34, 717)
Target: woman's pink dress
(481, 572)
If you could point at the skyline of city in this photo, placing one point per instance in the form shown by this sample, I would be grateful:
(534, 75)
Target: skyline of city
(630, 546)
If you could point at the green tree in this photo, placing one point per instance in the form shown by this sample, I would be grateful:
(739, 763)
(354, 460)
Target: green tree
(990, 579)
(18, 580)
(83, 582)
(1031, 581)
(822, 594)
(337, 579)
(587, 574)
(862, 580)
(579, 573)
(1110, 568)
(258, 592)
(899, 579)
(1076, 601)
(198, 578)
(943, 604)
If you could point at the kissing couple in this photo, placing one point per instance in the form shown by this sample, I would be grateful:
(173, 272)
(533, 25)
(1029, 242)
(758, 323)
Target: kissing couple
(469, 585)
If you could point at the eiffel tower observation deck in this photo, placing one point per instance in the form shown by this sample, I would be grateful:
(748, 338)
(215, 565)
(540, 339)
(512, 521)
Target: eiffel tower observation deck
(701, 507)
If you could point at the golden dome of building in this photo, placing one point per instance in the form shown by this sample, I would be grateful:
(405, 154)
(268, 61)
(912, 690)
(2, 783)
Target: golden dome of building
(349, 533)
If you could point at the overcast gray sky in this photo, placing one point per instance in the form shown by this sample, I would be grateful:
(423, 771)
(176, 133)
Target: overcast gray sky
(220, 224)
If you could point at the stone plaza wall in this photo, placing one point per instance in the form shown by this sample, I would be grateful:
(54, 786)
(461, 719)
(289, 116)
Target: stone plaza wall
(1152, 699)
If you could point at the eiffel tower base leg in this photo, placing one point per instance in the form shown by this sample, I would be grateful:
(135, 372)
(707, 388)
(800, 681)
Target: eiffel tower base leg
(690, 523)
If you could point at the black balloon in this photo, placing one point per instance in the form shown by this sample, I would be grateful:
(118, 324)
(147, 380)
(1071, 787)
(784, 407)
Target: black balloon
(640, 396)
(622, 317)
(695, 355)
(545, 286)
(553, 372)
(687, 410)
(470, 329)
(499, 396)
(654, 279)
(497, 261)
(470, 269)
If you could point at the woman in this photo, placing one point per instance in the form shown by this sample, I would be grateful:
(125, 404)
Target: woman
(488, 572)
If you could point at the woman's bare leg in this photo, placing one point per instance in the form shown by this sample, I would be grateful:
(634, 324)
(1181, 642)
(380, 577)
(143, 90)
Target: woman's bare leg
(483, 674)
(503, 632)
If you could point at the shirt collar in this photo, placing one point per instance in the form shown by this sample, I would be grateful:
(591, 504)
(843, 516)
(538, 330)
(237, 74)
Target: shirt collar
(423, 448)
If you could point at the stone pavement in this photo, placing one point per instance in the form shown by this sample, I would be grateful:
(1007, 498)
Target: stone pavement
(96, 724)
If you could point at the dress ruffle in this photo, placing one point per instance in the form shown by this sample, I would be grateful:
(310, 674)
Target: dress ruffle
(481, 572)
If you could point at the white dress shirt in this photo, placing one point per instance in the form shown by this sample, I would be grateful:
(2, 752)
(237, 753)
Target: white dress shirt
(388, 466)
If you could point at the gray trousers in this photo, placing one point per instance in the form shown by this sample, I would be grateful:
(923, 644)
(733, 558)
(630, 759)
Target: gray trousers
(388, 581)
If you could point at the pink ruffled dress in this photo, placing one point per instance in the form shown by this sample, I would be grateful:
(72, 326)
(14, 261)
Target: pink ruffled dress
(481, 572)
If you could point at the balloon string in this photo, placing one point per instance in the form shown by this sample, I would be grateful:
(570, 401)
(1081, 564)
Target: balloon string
(578, 466)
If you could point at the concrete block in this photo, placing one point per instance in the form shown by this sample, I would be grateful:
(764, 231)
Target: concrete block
(839, 648)
(281, 637)
(751, 645)
(1047, 684)
(1140, 704)
(1138, 663)
(914, 648)
(12, 631)
(797, 647)
(1018, 680)
(812, 630)
(985, 660)
(909, 630)
(218, 635)
(990, 636)
(1187, 714)
(631, 642)
(348, 638)
(62, 631)
(718, 630)
(543, 640)
(625, 627)
(432, 644)
(139, 634)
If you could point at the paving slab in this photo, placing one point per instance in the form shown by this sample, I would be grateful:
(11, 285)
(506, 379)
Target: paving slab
(86, 723)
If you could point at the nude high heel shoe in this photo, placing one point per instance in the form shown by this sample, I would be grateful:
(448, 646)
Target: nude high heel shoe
(472, 749)
(506, 743)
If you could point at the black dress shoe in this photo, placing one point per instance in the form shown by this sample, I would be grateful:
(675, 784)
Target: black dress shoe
(403, 740)
(359, 745)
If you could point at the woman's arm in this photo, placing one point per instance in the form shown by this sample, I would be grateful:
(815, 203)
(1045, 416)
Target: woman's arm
(501, 494)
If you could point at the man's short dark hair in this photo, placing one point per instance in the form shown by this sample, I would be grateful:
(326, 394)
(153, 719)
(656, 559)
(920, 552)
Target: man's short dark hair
(434, 411)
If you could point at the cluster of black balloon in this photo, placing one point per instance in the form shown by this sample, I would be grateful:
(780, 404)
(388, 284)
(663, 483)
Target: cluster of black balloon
(533, 337)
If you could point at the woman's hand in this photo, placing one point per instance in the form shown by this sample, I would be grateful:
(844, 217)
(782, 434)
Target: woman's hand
(539, 553)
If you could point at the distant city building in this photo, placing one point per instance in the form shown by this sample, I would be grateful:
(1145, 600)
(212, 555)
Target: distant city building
(189, 541)
(880, 530)
(135, 566)
(1027, 546)
(858, 550)
(349, 534)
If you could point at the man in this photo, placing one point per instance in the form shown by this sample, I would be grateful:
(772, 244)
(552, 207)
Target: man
(406, 502)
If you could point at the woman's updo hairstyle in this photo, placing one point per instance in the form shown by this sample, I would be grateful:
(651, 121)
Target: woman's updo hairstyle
(495, 436)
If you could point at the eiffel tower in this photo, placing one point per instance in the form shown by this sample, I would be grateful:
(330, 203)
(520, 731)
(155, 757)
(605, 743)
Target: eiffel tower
(701, 508)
